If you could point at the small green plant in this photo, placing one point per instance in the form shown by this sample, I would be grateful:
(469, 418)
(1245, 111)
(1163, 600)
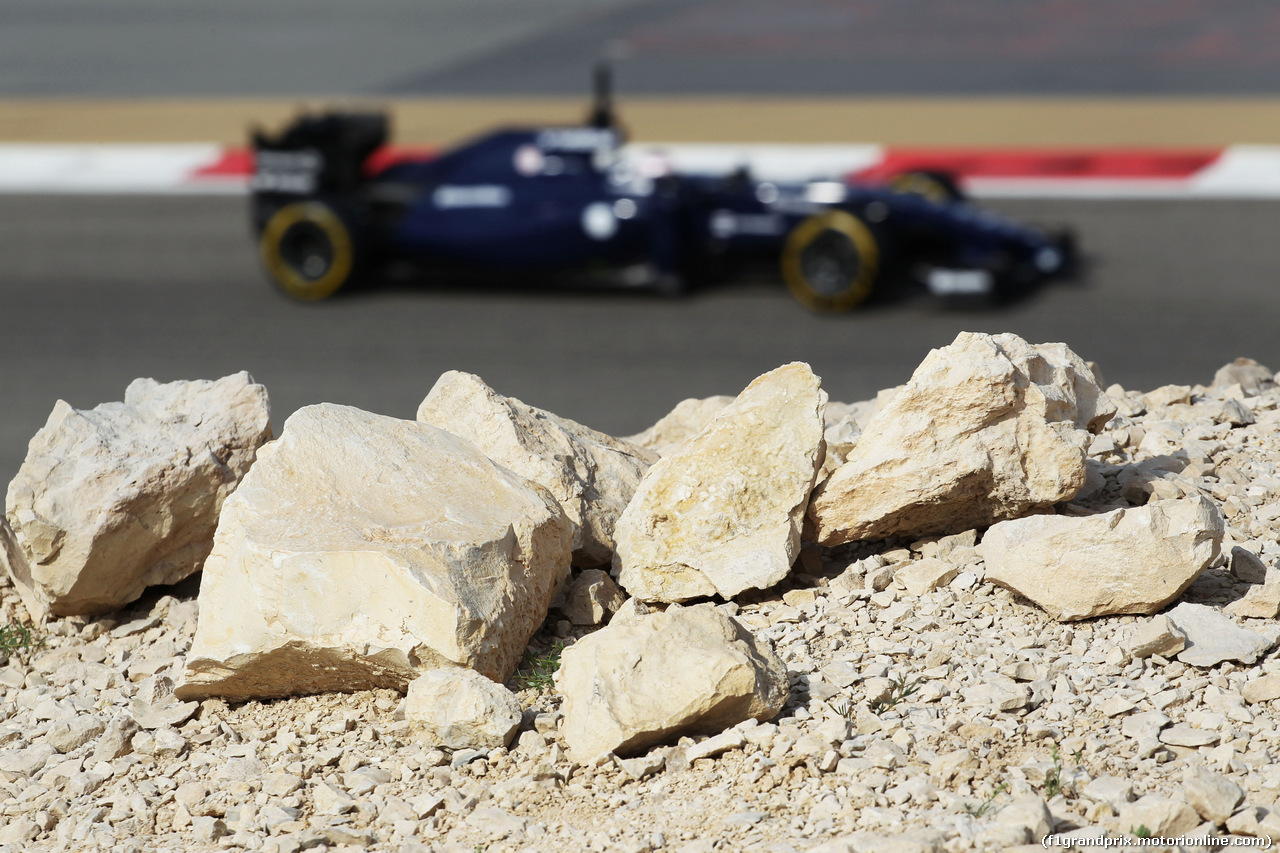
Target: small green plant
(985, 806)
(1140, 831)
(18, 639)
(1053, 778)
(899, 689)
(536, 670)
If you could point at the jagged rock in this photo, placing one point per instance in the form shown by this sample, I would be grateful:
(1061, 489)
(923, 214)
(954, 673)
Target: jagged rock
(363, 549)
(591, 474)
(1247, 566)
(841, 435)
(1260, 601)
(1111, 790)
(1167, 395)
(116, 741)
(592, 597)
(1253, 378)
(921, 576)
(1185, 735)
(685, 671)
(1232, 412)
(988, 429)
(682, 423)
(461, 709)
(1262, 689)
(722, 514)
(1160, 815)
(1156, 636)
(124, 496)
(1125, 561)
(1212, 795)
(72, 734)
(1213, 638)
(1029, 812)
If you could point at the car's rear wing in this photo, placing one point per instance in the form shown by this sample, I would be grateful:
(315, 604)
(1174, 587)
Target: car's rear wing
(317, 153)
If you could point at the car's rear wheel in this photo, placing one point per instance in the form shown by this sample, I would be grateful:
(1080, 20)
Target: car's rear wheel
(938, 187)
(307, 250)
(830, 261)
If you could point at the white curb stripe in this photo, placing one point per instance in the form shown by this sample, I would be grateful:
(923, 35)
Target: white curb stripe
(105, 168)
(1242, 171)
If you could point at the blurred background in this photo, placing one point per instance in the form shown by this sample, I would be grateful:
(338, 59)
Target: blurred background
(99, 288)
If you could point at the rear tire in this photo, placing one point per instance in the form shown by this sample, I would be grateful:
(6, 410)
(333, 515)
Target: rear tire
(830, 261)
(307, 250)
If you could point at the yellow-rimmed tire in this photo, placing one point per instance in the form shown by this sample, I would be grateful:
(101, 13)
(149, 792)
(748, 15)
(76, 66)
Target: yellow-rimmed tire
(938, 187)
(830, 261)
(307, 250)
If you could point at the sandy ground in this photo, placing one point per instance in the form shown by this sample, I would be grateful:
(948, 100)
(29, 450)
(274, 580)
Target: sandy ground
(1179, 122)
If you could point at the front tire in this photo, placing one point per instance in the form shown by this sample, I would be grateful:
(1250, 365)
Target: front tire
(307, 250)
(830, 261)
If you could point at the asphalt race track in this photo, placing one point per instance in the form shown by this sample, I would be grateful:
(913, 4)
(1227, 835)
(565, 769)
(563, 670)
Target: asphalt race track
(95, 291)
(664, 47)
(100, 290)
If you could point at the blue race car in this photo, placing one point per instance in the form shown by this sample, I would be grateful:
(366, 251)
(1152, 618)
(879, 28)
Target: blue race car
(327, 210)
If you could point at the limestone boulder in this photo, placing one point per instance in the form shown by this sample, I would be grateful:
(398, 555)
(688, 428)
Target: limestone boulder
(651, 680)
(1214, 796)
(841, 435)
(723, 513)
(988, 429)
(592, 597)
(1213, 638)
(1161, 816)
(1124, 561)
(461, 709)
(591, 474)
(1156, 636)
(362, 550)
(679, 425)
(124, 496)
(1252, 377)
(1260, 601)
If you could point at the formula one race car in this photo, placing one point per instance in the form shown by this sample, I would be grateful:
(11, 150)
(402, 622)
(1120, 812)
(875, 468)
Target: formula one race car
(329, 208)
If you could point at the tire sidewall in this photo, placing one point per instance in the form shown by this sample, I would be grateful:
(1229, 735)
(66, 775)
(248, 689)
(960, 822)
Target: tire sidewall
(341, 244)
(803, 235)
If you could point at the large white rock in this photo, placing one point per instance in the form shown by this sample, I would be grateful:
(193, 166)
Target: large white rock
(988, 429)
(1213, 638)
(592, 597)
(685, 671)
(682, 423)
(1124, 561)
(461, 709)
(1213, 795)
(1161, 816)
(591, 474)
(1260, 601)
(363, 549)
(124, 496)
(723, 513)
(1253, 378)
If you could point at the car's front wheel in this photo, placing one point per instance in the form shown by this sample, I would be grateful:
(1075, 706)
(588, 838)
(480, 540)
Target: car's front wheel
(307, 250)
(830, 261)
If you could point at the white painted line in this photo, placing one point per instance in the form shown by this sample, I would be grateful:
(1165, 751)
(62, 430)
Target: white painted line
(101, 168)
(1243, 171)
(1083, 188)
